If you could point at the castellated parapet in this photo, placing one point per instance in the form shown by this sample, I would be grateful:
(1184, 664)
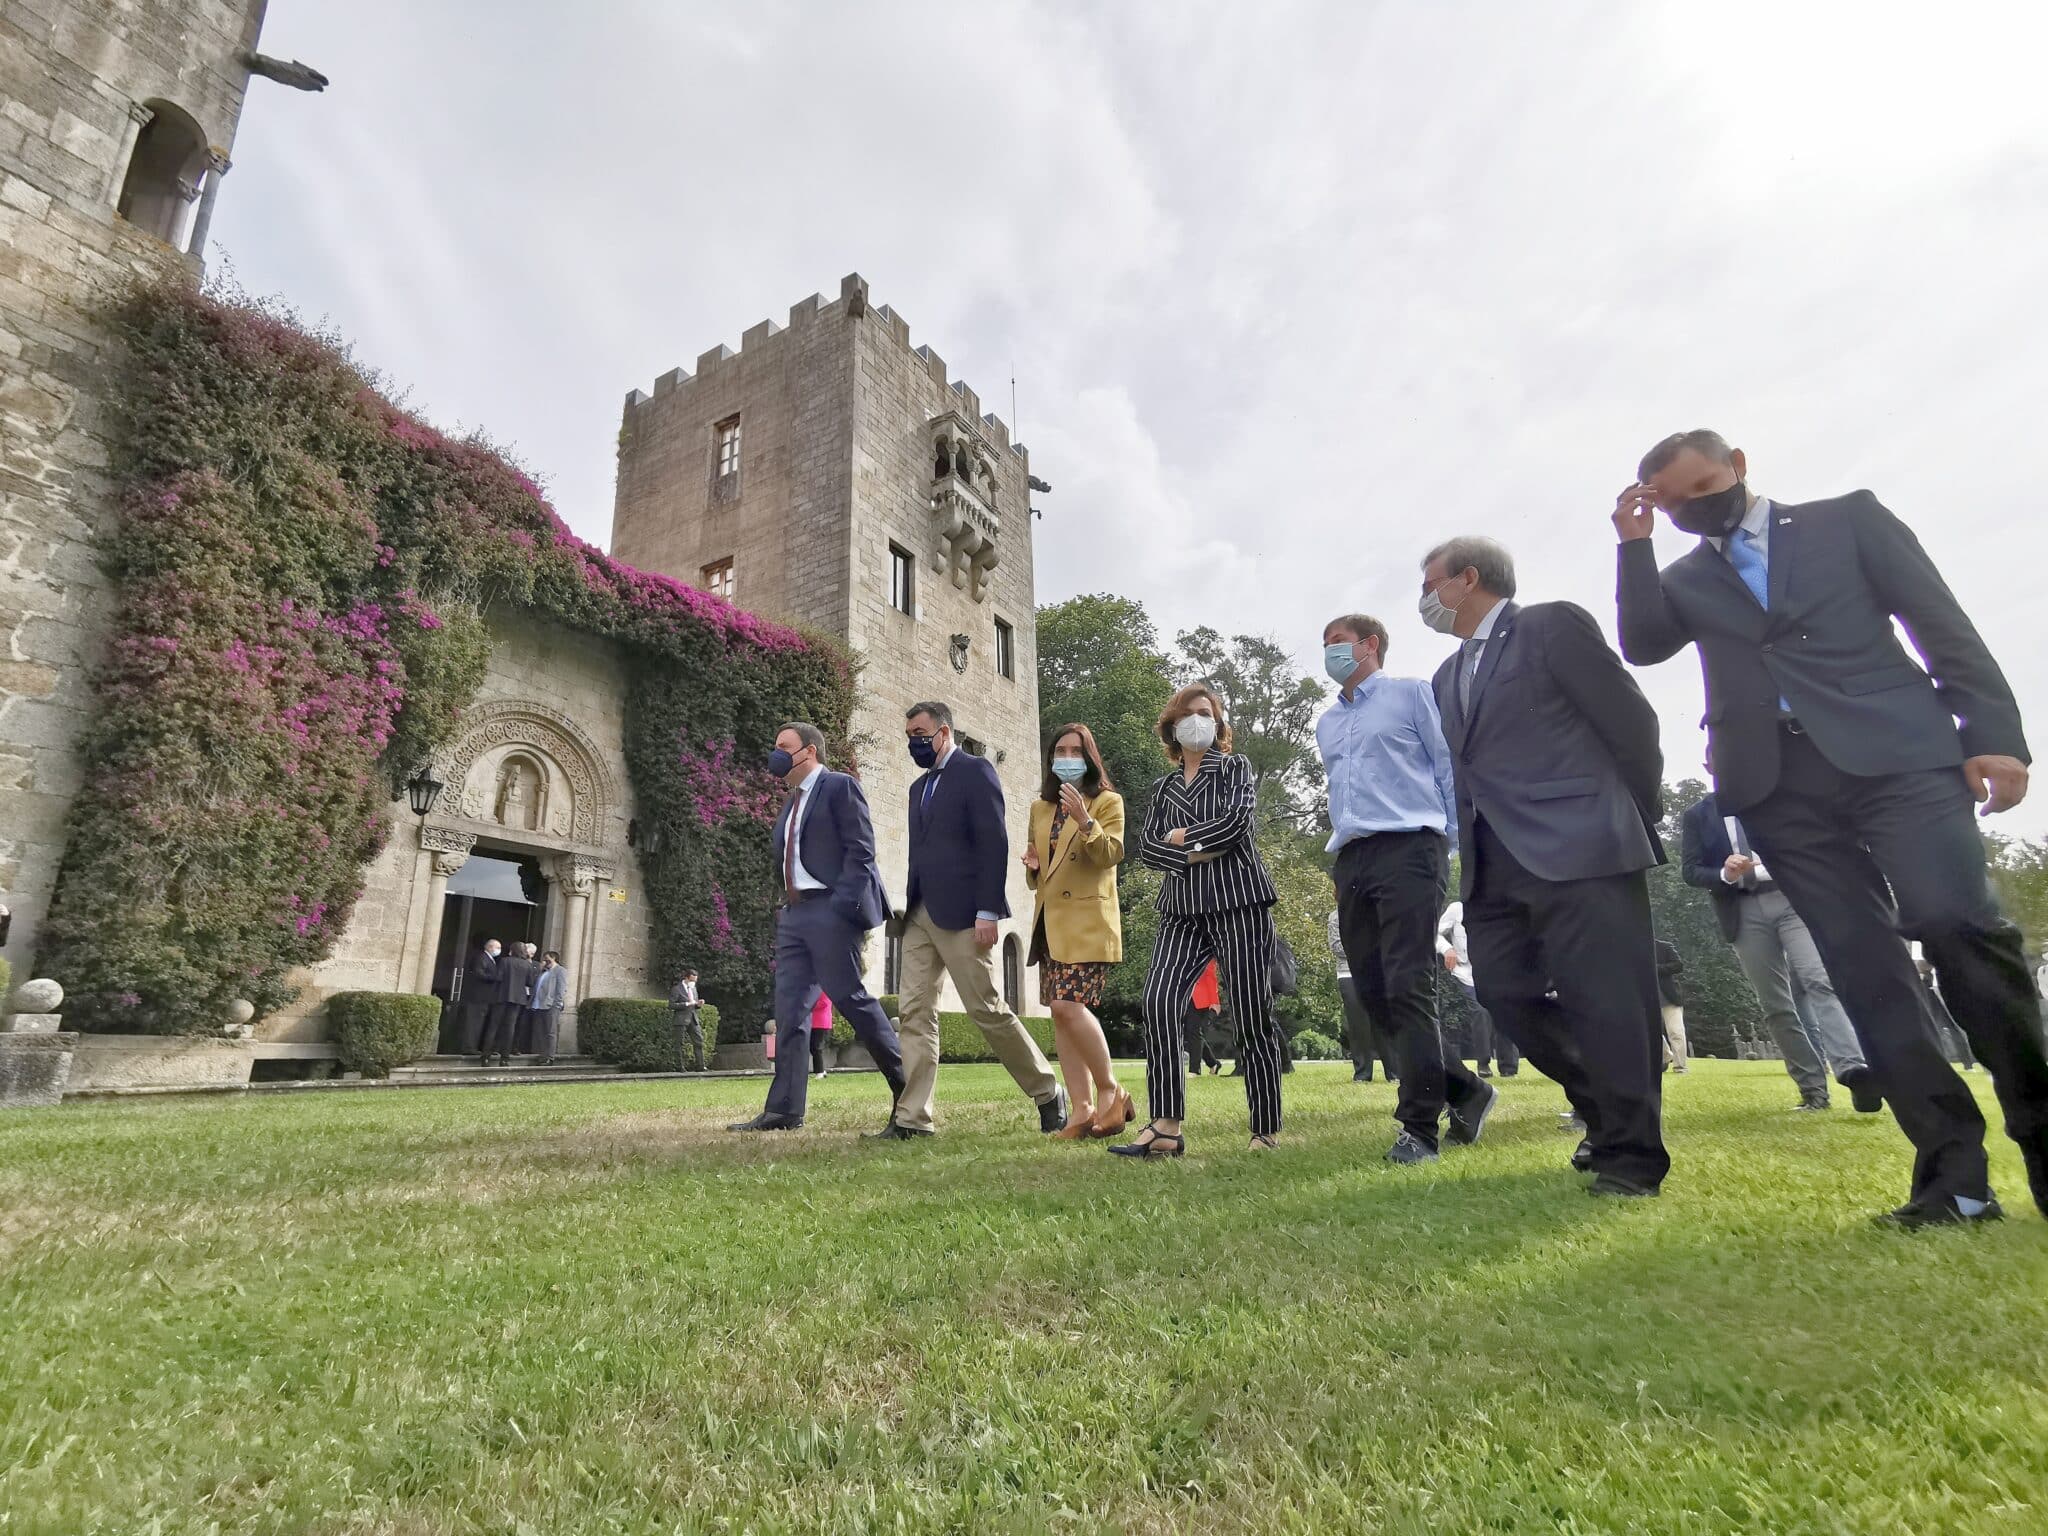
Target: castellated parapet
(831, 474)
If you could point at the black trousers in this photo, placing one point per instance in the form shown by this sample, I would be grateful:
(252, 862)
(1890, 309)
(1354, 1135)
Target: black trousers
(1390, 888)
(1240, 941)
(1200, 1053)
(1489, 1044)
(1869, 863)
(1601, 1037)
(501, 1026)
(1360, 1039)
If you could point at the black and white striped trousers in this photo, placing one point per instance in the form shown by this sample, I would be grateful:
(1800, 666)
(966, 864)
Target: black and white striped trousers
(1240, 941)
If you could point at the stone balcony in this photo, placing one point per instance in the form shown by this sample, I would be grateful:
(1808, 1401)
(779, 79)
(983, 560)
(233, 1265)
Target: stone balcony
(965, 525)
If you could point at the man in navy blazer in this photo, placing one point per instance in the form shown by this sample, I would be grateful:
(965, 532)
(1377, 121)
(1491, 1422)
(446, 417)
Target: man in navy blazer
(831, 897)
(1559, 785)
(959, 865)
(1854, 771)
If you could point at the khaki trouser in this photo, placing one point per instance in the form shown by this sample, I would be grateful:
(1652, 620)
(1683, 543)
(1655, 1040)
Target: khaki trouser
(1674, 1037)
(930, 952)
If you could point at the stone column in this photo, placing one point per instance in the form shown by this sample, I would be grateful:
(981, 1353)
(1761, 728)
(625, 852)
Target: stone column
(450, 851)
(139, 118)
(216, 167)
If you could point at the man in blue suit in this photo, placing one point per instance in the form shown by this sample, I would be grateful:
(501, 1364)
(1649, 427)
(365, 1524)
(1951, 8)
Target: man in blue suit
(959, 864)
(831, 896)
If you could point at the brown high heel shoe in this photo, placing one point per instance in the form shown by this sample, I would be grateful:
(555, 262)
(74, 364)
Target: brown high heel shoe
(1115, 1114)
(1077, 1128)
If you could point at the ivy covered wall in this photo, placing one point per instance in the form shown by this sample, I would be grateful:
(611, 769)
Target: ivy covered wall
(302, 571)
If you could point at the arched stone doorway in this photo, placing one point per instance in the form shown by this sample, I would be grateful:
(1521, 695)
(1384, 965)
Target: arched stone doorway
(528, 798)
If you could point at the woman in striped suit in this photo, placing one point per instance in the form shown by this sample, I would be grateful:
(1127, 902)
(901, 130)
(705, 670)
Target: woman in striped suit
(1215, 903)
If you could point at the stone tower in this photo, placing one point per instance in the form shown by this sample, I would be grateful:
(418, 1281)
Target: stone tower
(115, 124)
(829, 474)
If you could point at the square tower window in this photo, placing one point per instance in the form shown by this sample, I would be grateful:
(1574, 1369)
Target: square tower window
(1006, 650)
(902, 580)
(726, 438)
(717, 578)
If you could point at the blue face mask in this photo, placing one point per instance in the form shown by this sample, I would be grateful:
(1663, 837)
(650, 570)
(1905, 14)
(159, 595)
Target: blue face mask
(923, 751)
(1338, 660)
(1070, 770)
(780, 762)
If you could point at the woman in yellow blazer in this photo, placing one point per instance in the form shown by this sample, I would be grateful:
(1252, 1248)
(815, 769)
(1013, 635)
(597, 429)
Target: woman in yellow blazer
(1077, 841)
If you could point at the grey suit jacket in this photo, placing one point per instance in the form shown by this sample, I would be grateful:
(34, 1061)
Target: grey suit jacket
(1558, 750)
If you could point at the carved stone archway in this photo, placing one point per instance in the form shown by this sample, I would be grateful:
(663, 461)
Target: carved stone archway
(518, 723)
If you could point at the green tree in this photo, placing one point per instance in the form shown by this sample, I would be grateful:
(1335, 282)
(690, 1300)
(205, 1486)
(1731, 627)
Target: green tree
(1099, 662)
(2019, 872)
(1272, 710)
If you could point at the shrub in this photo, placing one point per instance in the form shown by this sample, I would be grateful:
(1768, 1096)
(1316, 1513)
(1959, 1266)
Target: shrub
(636, 1034)
(1312, 1045)
(960, 1038)
(300, 571)
(381, 1030)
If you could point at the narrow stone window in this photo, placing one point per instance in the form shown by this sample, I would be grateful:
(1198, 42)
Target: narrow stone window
(726, 435)
(1006, 650)
(717, 578)
(902, 580)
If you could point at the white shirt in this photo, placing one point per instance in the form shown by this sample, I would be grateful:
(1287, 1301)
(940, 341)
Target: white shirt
(1757, 524)
(1450, 935)
(1469, 662)
(800, 877)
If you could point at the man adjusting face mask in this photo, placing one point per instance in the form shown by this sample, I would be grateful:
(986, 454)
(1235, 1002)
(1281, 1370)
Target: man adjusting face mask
(1714, 515)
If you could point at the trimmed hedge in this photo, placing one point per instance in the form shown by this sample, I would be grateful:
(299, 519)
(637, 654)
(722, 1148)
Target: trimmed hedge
(637, 1034)
(960, 1038)
(381, 1030)
(1312, 1045)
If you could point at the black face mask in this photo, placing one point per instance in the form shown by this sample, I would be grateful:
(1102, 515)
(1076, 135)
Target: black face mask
(1715, 515)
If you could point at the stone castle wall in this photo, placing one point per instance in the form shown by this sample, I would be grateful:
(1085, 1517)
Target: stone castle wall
(69, 75)
(836, 466)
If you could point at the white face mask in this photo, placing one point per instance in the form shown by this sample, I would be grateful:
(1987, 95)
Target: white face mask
(1438, 617)
(1196, 732)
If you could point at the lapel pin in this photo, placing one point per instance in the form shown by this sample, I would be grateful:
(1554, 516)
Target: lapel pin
(1784, 522)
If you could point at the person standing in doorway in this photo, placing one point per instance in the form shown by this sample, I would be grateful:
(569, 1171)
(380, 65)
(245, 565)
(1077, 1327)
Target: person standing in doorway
(1393, 820)
(1070, 862)
(683, 1003)
(513, 986)
(1670, 965)
(550, 997)
(959, 867)
(479, 993)
(1215, 903)
(1560, 786)
(1856, 773)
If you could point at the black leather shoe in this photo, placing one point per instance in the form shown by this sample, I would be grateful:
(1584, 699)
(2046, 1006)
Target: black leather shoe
(1510, 1071)
(1361, 1077)
(894, 1132)
(1052, 1114)
(1611, 1186)
(1582, 1157)
(1466, 1123)
(1863, 1090)
(767, 1122)
(1940, 1211)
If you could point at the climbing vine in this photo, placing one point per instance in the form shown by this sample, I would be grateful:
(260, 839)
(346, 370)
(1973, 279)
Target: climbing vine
(301, 572)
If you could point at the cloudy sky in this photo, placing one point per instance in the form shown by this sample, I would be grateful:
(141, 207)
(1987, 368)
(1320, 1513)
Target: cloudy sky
(1289, 291)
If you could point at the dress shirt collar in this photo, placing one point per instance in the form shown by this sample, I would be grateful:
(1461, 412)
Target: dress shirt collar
(1754, 523)
(803, 785)
(1485, 629)
(945, 757)
(1360, 689)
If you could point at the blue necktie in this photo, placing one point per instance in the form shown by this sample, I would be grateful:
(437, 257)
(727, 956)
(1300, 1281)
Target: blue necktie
(1755, 572)
(1751, 566)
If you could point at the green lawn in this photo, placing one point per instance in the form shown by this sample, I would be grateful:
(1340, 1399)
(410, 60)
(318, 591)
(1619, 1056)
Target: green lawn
(587, 1309)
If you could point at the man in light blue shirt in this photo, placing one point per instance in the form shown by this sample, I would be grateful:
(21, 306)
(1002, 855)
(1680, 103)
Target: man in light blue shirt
(1393, 820)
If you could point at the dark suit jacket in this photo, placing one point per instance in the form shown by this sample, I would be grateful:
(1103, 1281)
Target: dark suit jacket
(1669, 965)
(1559, 750)
(1703, 849)
(480, 981)
(1840, 570)
(959, 845)
(515, 977)
(837, 844)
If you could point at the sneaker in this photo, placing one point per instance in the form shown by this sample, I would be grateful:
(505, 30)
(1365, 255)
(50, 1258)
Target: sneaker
(1408, 1149)
(1809, 1106)
(1568, 1121)
(1052, 1114)
(1468, 1121)
(1582, 1157)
